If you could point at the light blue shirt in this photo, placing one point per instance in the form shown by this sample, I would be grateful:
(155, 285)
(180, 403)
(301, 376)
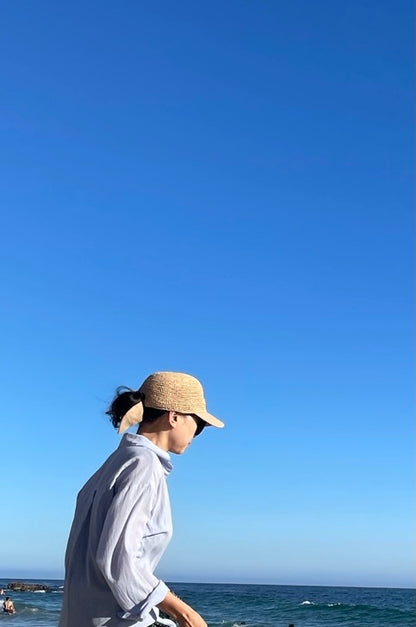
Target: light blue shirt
(121, 527)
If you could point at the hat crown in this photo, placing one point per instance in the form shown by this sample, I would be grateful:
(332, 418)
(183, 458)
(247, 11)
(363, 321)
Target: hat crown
(174, 391)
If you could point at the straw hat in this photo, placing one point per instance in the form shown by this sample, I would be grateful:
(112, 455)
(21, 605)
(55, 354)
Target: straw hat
(172, 391)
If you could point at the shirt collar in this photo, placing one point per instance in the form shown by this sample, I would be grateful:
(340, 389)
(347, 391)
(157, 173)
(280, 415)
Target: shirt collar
(134, 439)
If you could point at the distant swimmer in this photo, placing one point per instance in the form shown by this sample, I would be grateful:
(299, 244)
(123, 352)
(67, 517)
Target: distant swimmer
(8, 606)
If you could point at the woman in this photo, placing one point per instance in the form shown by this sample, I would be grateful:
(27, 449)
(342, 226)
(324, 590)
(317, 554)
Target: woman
(122, 522)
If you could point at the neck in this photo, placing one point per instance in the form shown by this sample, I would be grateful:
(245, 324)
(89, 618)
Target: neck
(159, 438)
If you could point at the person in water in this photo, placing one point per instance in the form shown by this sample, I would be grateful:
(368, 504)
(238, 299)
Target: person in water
(122, 522)
(8, 606)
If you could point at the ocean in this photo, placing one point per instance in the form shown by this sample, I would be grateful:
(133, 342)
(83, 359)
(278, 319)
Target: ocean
(232, 605)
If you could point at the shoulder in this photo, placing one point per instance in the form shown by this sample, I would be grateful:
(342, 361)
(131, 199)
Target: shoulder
(139, 464)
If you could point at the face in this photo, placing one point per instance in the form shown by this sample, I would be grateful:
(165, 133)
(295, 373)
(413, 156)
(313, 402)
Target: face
(183, 432)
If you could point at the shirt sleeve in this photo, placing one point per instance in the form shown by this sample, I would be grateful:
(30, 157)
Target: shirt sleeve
(119, 558)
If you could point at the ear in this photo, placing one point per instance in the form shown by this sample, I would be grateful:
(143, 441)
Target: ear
(173, 419)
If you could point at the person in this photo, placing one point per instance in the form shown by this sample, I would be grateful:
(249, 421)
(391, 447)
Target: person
(1, 592)
(122, 522)
(8, 606)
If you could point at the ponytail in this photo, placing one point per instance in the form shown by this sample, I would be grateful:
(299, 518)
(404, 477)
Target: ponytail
(124, 400)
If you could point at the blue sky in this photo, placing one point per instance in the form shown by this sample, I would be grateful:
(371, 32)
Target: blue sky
(223, 189)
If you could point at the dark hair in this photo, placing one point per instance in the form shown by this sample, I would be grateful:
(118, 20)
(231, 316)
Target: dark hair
(124, 400)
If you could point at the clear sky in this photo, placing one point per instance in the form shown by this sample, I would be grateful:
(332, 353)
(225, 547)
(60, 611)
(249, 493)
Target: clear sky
(225, 189)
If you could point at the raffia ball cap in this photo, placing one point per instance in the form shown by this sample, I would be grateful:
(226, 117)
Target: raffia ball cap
(172, 391)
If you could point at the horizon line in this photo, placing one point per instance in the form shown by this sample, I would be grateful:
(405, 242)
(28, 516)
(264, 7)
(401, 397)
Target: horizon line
(240, 583)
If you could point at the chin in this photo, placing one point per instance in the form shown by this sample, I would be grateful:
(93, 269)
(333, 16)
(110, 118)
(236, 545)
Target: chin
(178, 451)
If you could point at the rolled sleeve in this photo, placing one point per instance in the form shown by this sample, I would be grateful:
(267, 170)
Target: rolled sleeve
(119, 556)
(155, 597)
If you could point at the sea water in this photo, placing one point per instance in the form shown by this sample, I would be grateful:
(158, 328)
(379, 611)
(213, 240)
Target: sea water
(232, 605)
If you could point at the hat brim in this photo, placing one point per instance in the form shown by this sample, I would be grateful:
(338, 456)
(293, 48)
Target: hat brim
(210, 419)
